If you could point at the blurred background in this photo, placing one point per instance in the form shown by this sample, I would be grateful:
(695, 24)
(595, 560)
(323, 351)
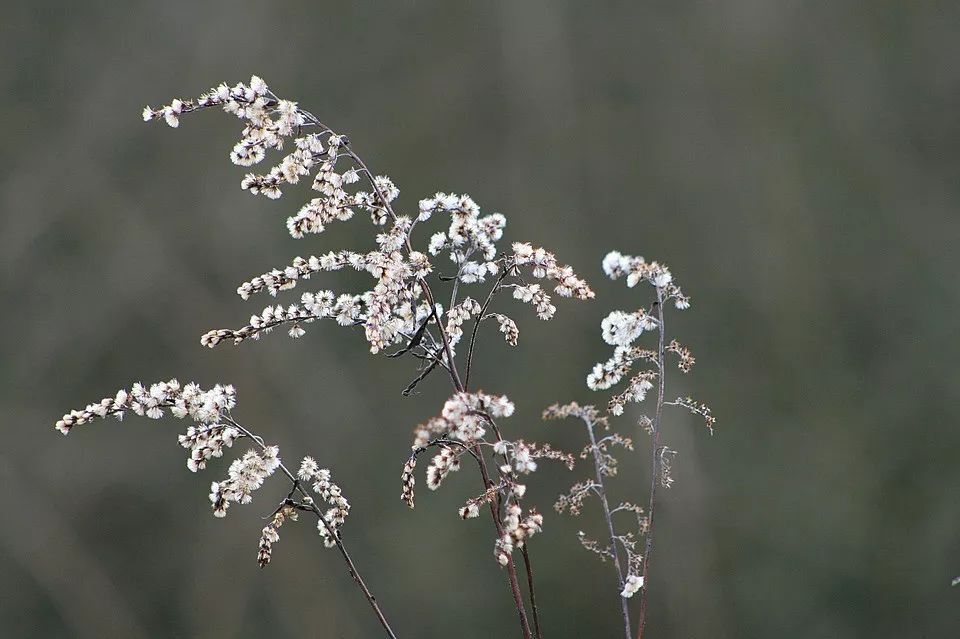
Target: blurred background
(796, 165)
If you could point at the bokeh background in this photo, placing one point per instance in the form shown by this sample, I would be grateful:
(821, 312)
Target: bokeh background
(796, 164)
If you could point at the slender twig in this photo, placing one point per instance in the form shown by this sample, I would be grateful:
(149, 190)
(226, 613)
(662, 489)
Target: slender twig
(476, 325)
(654, 471)
(312, 506)
(419, 378)
(533, 592)
(608, 516)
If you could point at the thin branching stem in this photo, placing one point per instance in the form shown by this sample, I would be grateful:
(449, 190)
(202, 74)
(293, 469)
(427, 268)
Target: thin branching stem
(601, 492)
(655, 469)
(311, 503)
(476, 325)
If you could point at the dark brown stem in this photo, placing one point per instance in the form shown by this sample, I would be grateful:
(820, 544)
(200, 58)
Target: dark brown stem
(511, 567)
(654, 473)
(526, 552)
(533, 593)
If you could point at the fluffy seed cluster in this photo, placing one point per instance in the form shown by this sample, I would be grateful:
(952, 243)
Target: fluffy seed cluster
(244, 477)
(521, 456)
(339, 507)
(636, 270)
(399, 303)
(206, 442)
(631, 586)
(461, 432)
(544, 265)
(442, 464)
(464, 418)
(517, 528)
(215, 431)
(511, 334)
(621, 329)
(204, 407)
(470, 240)
(457, 315)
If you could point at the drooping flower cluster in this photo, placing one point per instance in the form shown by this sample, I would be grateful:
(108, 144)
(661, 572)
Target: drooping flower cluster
(334, 517)
(457, 315)
(442, 464)
(271, 533)
(212, 433)
(697, 408)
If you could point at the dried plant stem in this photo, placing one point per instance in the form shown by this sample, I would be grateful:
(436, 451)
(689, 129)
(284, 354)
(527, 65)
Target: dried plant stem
(533, 594)
(487, 484)
(608, 516)
(526, 553)
(480, 315)
(311, 505)
(655, 469)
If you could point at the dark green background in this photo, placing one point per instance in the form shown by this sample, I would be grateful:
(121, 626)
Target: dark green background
(795, 163)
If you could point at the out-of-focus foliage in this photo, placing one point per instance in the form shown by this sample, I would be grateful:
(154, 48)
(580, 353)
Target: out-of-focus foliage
(797, 163)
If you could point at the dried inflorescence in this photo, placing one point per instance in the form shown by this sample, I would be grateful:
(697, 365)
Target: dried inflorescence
(398, 302)
(331, 520)
(402, 314)
(271, 533)
(244, 476)
(204, 407)
(214, 431)
(697, 408)
(517, 528)
(461, 431)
